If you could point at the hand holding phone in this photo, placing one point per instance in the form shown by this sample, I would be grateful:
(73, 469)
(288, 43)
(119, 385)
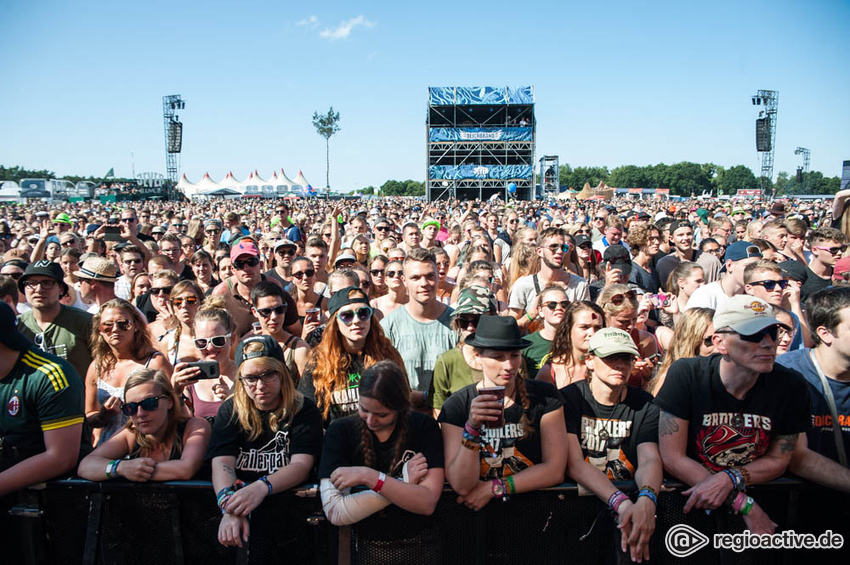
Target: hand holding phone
(209, 369)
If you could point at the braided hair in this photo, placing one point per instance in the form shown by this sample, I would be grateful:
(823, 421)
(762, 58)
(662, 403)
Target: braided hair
(386, 383)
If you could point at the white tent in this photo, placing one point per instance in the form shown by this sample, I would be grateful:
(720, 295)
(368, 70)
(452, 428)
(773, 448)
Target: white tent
(10, 191)
(187, 187)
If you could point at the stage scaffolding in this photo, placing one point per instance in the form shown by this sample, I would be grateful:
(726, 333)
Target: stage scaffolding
(480, 141)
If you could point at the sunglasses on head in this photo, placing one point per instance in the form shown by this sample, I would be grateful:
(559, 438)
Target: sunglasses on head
(148, 404)
(301, 274)
(266, 312)
(618, 299)
(347, 317)
(771, 285)
(218, 341)
(123, 325)
(178, 302)
(554, 304)
(772, 331)
(166, 290)
(242, 263)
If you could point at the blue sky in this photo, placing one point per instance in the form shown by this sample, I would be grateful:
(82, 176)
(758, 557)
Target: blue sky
(616, 82)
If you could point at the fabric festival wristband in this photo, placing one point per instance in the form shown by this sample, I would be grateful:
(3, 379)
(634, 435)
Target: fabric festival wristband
(265, 479)
(380, 484)
(510, 484)
(467, 427)
(648, 494)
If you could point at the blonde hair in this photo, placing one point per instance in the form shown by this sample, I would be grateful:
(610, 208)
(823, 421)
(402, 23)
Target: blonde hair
(176, 416)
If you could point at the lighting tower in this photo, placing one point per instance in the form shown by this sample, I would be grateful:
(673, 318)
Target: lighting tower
(802, 177)
(173, 133)
(766, 133)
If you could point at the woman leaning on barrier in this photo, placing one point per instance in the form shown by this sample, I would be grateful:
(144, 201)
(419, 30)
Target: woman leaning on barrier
(613, 436)
(397, 454)
(504, 435)
(159, 443)
(266, 437)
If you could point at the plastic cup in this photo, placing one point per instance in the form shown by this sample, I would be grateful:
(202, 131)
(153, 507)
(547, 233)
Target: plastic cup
(498, 391)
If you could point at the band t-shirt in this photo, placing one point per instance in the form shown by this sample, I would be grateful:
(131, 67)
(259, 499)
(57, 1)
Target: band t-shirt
(506, 452)
(274, 448)
(609, 435)
(726, 432)
(344, 401)
(821, 436)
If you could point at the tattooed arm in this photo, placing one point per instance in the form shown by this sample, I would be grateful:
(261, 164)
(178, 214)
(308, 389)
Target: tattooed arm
(672, 443)
(223, 473)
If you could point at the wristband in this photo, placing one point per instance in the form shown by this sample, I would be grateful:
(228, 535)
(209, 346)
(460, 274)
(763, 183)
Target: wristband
(732, 477)
(530, 319)
(112, 469)
(470, 444)
(748, 506)
(510, 484)
(380, 484)
(265, 479)
(648, 493)
(467, 428)
(616, 499)
(745, 475)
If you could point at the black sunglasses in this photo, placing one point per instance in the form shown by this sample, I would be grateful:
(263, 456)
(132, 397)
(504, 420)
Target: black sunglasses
(266, 312)
(553, 304)
(148, 404)
(301, 274)
(394, 274)
(618, 299)
(286, 251)
(708, 341)
(771, 285)
(376, 272)
(772, 331)
(166, 290)
(242, 263)
(347, 317)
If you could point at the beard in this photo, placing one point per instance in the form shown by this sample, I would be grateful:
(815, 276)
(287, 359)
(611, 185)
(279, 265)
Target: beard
(552, 264)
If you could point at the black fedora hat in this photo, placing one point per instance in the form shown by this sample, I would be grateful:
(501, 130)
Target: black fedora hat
(497, 332)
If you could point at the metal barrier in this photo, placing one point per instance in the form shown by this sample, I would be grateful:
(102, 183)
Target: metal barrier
(76, 521)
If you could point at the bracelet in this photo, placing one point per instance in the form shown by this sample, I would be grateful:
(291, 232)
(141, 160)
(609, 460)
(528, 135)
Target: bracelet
(738, 502)
(616, 499)
(510, 484)
(470, 444)
(748, 506)
(648, 493)
(530, 319)
(732, 477)
(265, 479)
(467, 428)
(380, 484)
(745, 475)
(112, 469)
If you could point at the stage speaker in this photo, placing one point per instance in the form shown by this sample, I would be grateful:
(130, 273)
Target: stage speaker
(175, 136)
(799, 175)
(763, 134)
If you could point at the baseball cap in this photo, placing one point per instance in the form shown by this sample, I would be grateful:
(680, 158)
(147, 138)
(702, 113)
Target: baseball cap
(430, 222)
(795, 270)
(610, 341)
(841, 266)
(619, 258)
(284, 243)
(741, 250)
(581, 239)
(346, 296)
(271, 348)
(9, 334)
(475, 299)
(244, 247)
(745, 315)
(343, 257)
(62, 218)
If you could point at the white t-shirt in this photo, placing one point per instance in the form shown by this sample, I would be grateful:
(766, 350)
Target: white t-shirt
(524, 293)
(708, 296)
(600, 244)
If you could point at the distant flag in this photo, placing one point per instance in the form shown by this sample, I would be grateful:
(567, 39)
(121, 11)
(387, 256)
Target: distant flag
(110, 174)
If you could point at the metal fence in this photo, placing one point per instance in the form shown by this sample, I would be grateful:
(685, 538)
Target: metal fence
(76, 521)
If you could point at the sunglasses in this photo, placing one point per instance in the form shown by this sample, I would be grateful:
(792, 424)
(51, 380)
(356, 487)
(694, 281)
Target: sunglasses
(128, 219)
(553, 304)
(772, 331)
(254, 380)
(556, 246)
(362, 314)
(832, 250)
(178, 302)
(123, 325)
(708, 342)
(266, 312)
(327, 235)
(301, 274)
(132, 261)
(467, 321)
(376, 272)
(166, 290)
(242, 263)
(148, 404)
(286, 251)
(771, 285)
(212, 230)
(586, 246)
(382, 228)
(218, 341)
(393, 274)
(618, 299)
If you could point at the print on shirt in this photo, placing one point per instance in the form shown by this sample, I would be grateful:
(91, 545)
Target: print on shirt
(345, 402)
(602, 439)
(729, 439)
(502, 458)
(267, 459)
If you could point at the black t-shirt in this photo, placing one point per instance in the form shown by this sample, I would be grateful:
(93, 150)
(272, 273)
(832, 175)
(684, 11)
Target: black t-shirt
(813, 284)
(342, 448)
(646, 280)
(143, 303)
(724, 431)
(273, 449)
(609, 435)
(188, 274)
(343, 402)
(510, 452)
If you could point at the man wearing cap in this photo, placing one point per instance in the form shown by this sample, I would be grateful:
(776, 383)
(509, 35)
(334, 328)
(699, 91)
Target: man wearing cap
(430, 227)
(682, 236)
(61, 223)
(284, 252)
(827, 245)
(54, 328)
(764, 279)
(733, 419)
(714, 295)
(132, 263)
(97, 282)
(553, 251)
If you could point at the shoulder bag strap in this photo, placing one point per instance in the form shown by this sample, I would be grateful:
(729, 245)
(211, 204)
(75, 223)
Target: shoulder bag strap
(833, 411)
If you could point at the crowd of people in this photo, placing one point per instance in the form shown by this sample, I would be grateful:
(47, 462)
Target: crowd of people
(384, 348)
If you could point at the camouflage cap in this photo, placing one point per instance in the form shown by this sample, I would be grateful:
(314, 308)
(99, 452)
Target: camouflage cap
(475, 299)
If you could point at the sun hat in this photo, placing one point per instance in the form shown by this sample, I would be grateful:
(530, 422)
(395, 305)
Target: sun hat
(610, 341)
(62, 218)
(497, 332)
(98, 269)
(745, 315)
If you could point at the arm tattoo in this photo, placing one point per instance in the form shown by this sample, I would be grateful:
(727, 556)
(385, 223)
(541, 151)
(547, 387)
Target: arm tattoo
(787, 443)
(667, 424)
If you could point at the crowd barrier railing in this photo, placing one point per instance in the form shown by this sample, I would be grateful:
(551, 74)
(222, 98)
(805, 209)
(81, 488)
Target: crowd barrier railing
(76, 521)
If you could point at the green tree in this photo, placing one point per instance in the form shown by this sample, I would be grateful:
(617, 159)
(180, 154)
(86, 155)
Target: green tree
(734, 178)
(687, 178)
(575, 178)
(368, 190)
(630, 176)
(326, 126)
(403, 188)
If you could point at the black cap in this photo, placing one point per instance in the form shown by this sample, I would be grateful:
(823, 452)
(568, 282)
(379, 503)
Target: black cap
(497, 332)
(619, 258)
(346, 296)
(581, 239)
(271, 348)
(794, 270)
(44, 268)
(9, 334)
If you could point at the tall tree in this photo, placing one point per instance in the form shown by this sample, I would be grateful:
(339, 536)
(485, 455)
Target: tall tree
(327, 125)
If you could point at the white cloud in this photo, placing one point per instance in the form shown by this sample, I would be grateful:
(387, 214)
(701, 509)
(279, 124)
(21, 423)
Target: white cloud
(312, 21)
(343, 30)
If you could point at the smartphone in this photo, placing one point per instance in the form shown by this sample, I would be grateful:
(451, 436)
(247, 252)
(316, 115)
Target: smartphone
(112, 233)
(660, 300)
(209, 369)
(313, 315)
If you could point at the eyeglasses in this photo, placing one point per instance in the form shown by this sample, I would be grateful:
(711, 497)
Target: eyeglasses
(553, 304)
(618, 299)
(254, 380)
(166, 290)
(218, 341)
(716, 250)
(362, 314)
(148, 405)
(772, 331)
(178, 302)
(188, 246)
(132, 261)
(708, 341)
(832, 250)
(586, 232)
(277, 310)
(242, 263)
(123, 325)
(286, 251)
(394, 274)
(44, 284)
(771, 285)
(556, 246)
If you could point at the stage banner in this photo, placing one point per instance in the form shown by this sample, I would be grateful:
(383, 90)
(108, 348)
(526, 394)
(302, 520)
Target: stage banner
(845, 175)
(479, 134)
(499, 172)
(471, 95)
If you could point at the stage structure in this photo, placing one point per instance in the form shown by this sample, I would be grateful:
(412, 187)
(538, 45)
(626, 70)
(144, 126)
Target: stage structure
(548, 176)
(802, 171)
(173, 134)
(766, 134)
(480, 142)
